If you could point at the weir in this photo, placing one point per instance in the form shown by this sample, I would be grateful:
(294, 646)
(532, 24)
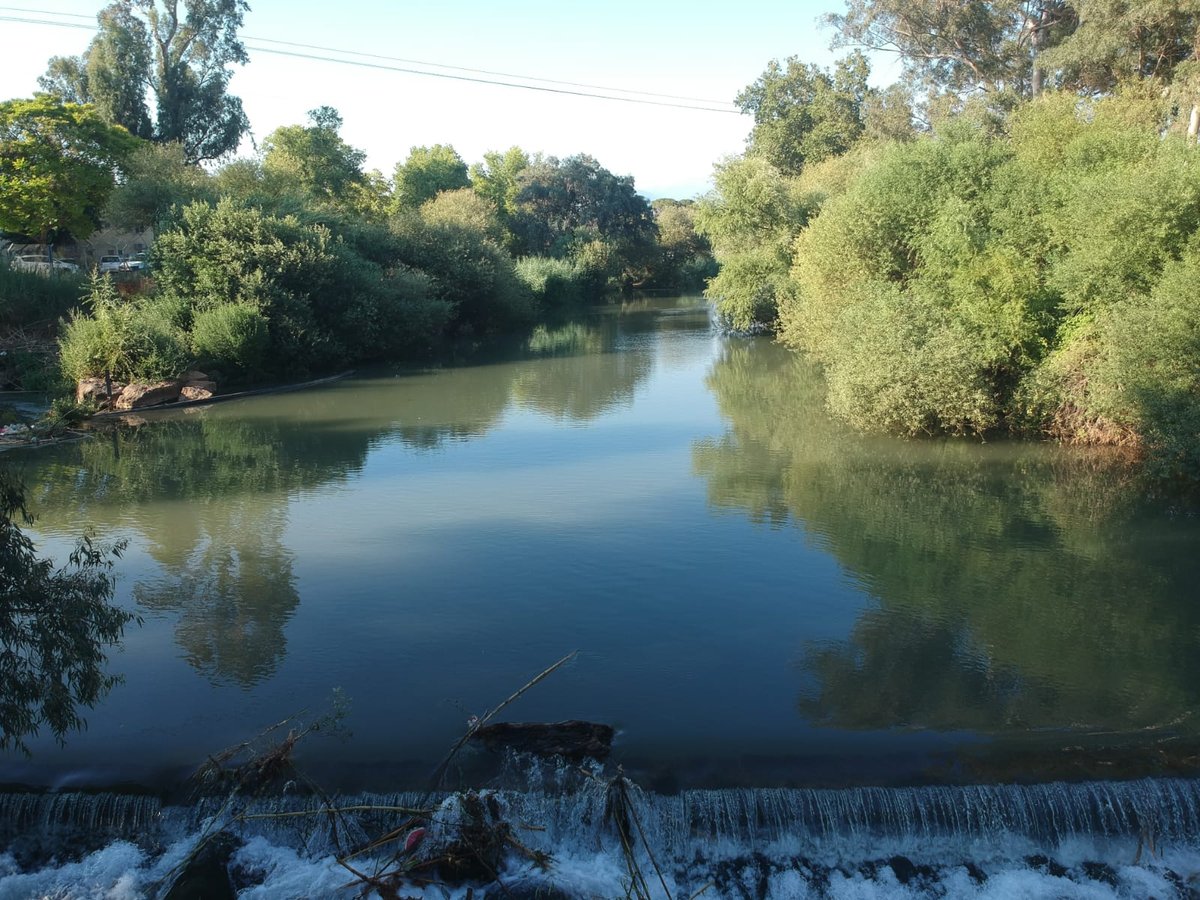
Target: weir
(1046, 813)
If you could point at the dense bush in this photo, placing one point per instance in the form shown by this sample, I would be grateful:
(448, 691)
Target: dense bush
(551, 282)
(1035, 280)
(131, 340)
(323, 301)
(470, 270)
(233, 339)
(30, 297)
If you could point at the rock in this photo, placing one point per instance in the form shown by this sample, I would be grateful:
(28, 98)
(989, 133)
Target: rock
(194, 392)
(203, 385)
(94, 389)
(194, 375)
(137, 395)
(572, 740)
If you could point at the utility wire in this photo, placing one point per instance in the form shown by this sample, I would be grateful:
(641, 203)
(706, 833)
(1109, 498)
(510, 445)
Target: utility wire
(510, 84)
(411, 71)
(419, 62)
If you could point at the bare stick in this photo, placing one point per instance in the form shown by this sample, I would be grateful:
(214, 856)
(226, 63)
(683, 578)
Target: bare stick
(440, 771)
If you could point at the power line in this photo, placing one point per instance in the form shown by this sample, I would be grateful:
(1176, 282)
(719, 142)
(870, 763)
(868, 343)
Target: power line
(411, 71)
(419, 62)
(510, 84)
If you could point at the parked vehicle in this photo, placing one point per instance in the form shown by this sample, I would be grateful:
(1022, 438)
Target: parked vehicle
(110, 264)
(32, 263)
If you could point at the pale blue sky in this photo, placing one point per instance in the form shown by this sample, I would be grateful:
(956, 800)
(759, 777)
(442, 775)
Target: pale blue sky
(660, 46)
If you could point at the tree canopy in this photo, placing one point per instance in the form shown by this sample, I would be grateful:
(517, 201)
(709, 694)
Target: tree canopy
(427, 172)
(181, 56)
(58, 163)
(314, 157)
(977, 44)
(55, 627)
(803, 113)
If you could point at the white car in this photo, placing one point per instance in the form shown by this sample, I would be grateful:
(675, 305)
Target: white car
(110, 264)
(31, 263)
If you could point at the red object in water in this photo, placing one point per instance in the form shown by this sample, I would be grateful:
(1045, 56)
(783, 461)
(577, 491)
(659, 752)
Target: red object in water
(414, 839)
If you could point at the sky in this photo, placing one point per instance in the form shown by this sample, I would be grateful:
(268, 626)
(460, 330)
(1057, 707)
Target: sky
(666, 47)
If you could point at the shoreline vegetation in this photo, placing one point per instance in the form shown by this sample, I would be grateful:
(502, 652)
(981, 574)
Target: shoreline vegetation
(1004, 242)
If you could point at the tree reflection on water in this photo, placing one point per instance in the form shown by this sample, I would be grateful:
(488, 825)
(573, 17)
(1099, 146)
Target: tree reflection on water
(1014, 587)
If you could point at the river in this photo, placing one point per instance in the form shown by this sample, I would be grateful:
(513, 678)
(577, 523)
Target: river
(759, 597)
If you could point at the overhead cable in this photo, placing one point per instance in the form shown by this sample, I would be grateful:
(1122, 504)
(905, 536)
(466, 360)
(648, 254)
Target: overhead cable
(643, 98)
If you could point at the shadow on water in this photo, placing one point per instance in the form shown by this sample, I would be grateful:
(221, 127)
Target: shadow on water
(1016, 590)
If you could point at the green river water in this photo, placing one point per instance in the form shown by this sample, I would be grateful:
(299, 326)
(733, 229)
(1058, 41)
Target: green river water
(757, 594)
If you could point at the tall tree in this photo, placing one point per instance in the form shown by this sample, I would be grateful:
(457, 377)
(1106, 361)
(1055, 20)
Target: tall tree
(565, 204)
(960, 46)
(497, 178)
(58, 163)
(315, 157)
(1122, 40)
(179, 51)
(427, 172)
(803, 113)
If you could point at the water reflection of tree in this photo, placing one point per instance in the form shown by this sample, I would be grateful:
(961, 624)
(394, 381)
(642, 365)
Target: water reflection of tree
(234, 593)
(1016, 587)
(449, 405)
(211, 496)
(577, 374)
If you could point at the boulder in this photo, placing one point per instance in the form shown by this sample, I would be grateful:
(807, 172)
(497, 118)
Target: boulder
(139, 396)
(573, 740)
(194, 392)
(194, 375)
(94, 389)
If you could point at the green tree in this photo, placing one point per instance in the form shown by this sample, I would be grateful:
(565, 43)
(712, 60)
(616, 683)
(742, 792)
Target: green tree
(577, 208)
(316, 158)
(1120, 40)
(751, 217)
(685, 256)
(805, 114)
(977, 44)
(57, 166)
(157, 179)
(180, 56)
(498, 179)
(427, 172)
(55, 628)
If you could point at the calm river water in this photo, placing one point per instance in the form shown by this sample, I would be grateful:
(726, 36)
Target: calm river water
(757, 595)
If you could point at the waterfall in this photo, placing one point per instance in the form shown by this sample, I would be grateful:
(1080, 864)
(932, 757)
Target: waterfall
(755, 843)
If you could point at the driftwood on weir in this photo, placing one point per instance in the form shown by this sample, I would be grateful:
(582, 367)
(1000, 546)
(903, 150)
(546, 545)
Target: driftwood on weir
(573, 740)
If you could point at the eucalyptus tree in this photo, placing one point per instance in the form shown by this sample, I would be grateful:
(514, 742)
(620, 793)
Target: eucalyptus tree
(177, 51)
(972, 45)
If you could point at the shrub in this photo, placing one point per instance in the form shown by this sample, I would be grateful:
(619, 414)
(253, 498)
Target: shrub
(551, 282)
(470, 271)
(907, 365)
(232, 339)
(29, 298)
(131, 340)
